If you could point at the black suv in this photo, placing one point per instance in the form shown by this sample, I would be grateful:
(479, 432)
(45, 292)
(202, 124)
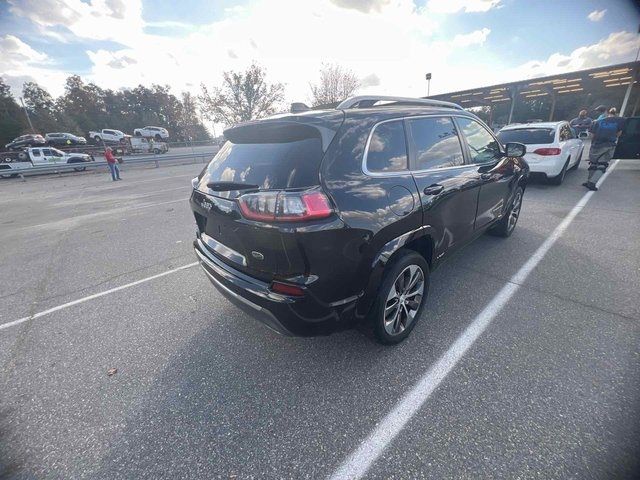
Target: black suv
(318, 220)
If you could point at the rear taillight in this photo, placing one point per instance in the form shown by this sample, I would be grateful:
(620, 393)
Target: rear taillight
(285, 206)
(286, 289)
(547, 151)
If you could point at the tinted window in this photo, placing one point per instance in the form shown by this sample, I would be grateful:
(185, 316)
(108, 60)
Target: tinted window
(109, 132)
(387, 148)
(527, 135)
(483, 146)
(291, 164)
(436, 143)
(46, 151)
(35, 152)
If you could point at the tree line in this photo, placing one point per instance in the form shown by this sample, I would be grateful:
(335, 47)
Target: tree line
(241, 96)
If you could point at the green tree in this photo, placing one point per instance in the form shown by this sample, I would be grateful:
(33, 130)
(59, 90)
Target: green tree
(41, 107)
(243, 96)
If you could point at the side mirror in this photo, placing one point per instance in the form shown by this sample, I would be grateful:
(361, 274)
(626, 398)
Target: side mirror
(515, 149)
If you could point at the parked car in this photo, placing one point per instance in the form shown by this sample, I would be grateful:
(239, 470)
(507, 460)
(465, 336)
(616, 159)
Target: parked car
(107, 135)
(629, 142)
(64, 139)
(29, 140)
(157, 133)
(35, 156)
(318, 220)
(552, 147)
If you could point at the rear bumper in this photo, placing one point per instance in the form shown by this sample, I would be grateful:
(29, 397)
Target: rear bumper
(549, 166)
(292, 316)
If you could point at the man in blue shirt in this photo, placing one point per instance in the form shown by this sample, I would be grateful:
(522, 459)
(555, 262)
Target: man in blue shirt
(604, 136)
(581, 123)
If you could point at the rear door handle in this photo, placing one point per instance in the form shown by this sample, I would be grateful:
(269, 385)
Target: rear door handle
(434, 189)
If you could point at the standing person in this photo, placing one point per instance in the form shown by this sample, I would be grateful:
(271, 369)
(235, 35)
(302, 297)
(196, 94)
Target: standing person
(581, 123)
(601, 110)
(605, 135)
(113, 164)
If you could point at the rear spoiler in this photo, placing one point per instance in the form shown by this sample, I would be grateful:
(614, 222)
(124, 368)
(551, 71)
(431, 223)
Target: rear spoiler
(285, 130)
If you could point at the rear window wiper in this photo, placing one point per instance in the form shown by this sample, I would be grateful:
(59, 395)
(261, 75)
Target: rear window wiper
(228, 186)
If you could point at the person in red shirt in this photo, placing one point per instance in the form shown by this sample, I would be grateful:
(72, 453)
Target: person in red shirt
(112, 161)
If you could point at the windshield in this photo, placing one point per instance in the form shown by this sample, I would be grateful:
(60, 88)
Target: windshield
(528, 136)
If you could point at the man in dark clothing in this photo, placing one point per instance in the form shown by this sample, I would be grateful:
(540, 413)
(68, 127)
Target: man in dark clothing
(605, 135)
(581, 123)
(112, 161)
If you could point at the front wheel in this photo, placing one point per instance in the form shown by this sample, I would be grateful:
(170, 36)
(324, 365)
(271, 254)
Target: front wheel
(506, 226)
(401, 297)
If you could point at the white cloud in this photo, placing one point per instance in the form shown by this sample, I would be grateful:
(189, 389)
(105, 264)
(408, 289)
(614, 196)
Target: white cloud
(454, 6)
(616, 48)
(118, 20)
(20, 63)
(597, 15)
(364, 6)
(477, 37)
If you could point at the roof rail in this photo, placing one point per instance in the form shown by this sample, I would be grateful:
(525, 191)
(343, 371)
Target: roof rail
(364, 101)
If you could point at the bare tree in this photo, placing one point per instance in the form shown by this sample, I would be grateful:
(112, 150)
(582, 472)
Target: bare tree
(243, 96)
(336, 84)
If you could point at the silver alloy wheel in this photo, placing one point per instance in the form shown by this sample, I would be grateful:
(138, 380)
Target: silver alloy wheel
(515, 211)
(404, 299)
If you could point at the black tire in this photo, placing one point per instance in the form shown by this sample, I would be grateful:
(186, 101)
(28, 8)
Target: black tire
(157, 151)
(23, 156)
(575, 167)
(80, 169)
(505, 227)
(403, 261)
(558, 179)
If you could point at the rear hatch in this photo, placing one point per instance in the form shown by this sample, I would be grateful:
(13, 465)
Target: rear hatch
(267, 157)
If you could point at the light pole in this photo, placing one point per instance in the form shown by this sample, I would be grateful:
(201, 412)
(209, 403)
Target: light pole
(428, 78)
(26, 112)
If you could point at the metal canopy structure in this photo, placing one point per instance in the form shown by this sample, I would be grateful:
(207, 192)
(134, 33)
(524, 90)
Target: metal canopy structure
(613, 86)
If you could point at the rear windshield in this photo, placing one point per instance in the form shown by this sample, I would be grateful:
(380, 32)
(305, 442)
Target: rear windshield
(292, 164)
(527, 135)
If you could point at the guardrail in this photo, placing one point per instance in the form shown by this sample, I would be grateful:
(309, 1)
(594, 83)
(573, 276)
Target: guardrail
(197, 157)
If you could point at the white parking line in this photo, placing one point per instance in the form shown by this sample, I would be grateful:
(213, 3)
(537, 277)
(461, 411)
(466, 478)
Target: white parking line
(94, 296)
(358, 463)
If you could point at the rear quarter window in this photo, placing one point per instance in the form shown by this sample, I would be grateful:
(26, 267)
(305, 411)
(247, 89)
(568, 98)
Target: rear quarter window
(387, 148)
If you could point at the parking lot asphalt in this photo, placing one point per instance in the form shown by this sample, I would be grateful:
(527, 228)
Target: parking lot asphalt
(549, 390)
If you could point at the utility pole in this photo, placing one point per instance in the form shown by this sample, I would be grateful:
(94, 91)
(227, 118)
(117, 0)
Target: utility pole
(428, 78)
(26, 112)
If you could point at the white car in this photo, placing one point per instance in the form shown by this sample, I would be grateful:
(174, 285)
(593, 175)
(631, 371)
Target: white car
(13, 163)
(158, 133)
(107, 135)
(552, 147)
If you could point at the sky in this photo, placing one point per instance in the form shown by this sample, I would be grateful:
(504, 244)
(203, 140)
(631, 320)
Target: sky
(389, 44)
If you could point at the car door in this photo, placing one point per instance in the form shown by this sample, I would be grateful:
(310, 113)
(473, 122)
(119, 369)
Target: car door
(629, 142)
(109, 135)
(447, 187)
(568, 143)
(47, 155)
(495, 171)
